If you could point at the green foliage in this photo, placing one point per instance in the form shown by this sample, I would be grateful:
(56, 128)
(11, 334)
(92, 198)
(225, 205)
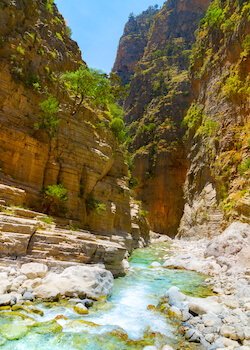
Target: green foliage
(48, 119)
(246, 44)
(68, 31)
(31, 78)
(143, 213)
(244, 166)
(49, 5)
(207, 128)
(133, 182)
(89, 86)
(20, 50)
(74, 227)
(214, 15)
(47, 220)
(117, 127)
(94, 206)
(193, 117)
(236, 87)
(54, 199)
(115, 110)
(59, 36)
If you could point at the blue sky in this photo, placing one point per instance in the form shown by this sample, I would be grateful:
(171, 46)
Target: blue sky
(97, 26)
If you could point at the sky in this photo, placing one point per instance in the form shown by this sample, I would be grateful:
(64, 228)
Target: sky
(97, 26)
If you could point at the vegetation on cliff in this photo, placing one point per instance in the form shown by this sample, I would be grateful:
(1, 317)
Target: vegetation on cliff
(217, 122)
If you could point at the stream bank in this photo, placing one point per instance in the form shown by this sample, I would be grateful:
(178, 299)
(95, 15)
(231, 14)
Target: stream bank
(128, 319)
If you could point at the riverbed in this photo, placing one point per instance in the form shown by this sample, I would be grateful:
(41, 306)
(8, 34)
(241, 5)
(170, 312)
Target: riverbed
(127, 320)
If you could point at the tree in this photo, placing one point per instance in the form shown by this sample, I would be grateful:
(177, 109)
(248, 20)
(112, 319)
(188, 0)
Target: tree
(48, 121)
(88, 85)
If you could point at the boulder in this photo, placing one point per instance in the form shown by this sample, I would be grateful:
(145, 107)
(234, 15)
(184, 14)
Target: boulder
(76, 281)
(5, 299)
(176, 298)
(230, 242)
(34, 270)
(202, 306)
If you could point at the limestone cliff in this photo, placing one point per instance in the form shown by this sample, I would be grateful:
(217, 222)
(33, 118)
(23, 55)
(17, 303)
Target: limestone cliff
(159, 95)
(84, 156)
(217, 124)
(132, 44)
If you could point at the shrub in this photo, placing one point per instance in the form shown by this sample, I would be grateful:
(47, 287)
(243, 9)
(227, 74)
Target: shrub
(94, 206)
(54, 199)
(48, 119)
(117, 127)
(244, 166)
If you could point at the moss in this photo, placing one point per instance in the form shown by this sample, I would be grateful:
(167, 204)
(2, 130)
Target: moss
(13, 332)
(46, 327)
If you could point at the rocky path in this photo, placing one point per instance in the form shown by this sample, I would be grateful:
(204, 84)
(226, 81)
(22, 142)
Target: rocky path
(223, 320)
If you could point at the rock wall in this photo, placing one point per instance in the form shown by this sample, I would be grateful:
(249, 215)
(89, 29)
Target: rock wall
(159, 96)
(217, 184)
(132, 44)
(84, 156)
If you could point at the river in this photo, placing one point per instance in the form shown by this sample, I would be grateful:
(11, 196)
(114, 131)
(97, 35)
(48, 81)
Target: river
(125, 321)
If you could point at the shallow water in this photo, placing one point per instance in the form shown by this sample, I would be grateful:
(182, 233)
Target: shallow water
(124, 321)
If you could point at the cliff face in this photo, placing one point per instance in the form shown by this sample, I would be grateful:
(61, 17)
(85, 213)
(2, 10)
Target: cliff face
(84, 155)
(132, 44)
(217, 136)
(160, 93)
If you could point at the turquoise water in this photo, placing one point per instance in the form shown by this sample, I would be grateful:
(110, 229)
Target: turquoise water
(123, 322)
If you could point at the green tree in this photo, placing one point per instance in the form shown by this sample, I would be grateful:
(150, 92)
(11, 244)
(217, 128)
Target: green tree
(117, 127)
(48, 119)
(49, 122)
(89, 86)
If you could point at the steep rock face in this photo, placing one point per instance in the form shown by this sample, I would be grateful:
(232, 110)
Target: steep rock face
(132, 44)
(159, 95)
(217, 184)
(84, 155)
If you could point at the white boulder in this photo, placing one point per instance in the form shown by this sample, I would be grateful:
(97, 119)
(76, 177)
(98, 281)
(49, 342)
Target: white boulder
(34, 270)
(76, 281)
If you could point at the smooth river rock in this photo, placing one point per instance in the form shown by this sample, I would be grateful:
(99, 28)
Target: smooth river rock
(76, 281)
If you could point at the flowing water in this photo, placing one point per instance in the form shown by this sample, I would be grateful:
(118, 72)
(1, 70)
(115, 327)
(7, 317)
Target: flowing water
(123, 322)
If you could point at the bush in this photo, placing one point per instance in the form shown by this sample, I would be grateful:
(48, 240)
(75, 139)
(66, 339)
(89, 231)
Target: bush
(54, 199)
(48, 119)
(93, 206)
(117, 127)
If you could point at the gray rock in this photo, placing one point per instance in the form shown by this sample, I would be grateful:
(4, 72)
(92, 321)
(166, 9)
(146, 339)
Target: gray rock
(231, 241)
(13, 300)
(28, 296)
(76, 281)
(210, 337)
(176, 298)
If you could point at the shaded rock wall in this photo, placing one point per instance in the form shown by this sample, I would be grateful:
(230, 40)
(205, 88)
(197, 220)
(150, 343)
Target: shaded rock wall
(160, 94)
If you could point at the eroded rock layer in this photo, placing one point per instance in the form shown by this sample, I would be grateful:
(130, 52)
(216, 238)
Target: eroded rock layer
(84, 156)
